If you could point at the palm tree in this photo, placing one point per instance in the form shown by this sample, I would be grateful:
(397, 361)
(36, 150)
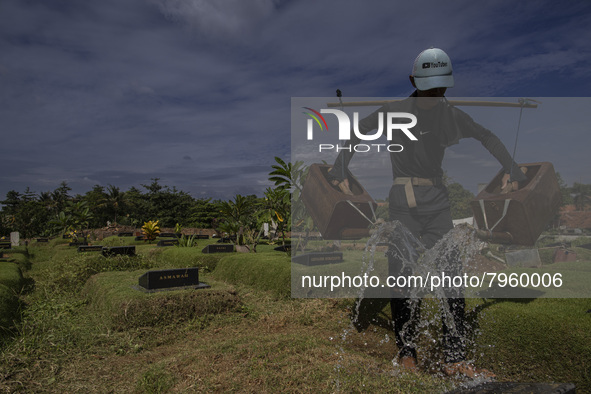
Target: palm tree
(239, 215)
(114, 200)
(286, 175)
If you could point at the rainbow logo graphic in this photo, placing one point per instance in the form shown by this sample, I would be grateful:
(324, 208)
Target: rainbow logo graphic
(317, 117)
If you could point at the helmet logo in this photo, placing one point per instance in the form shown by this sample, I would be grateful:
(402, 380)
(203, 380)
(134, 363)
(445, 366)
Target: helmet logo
(434, 64)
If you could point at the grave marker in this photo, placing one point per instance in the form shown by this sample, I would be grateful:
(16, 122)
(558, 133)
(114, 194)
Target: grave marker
(15, 238)
(283, 248)
(318, 258)
(169, 235)
(171, 279)
(118, 250)
(523, 258)
(218, 248)
(517, 388)
(562, 255)
(77, 243)
(168, 242)
(90, 248)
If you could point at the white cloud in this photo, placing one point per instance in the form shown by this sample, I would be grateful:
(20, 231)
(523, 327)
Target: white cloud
(219, 18)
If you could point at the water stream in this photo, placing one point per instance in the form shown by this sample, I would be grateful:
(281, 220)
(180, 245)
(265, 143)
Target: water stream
(452, 254)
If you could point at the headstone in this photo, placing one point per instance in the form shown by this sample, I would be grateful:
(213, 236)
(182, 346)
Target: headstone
(118, 250)
(169, 235)
(523, 258)
(15, 238)
(5, 245)
(318, 258)
(201, 236)
(517, 388)
(283, 248)
(562, 255)
(44, 240)
(168, 242)
(78, 243)
(218, 248)
(170, 279)
(90, 248)
(266, 229)
(125, 234)
(585, 246)
(560, 244)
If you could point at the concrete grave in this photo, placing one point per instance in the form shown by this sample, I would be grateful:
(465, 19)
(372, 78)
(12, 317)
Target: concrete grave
(517, 388)
(523, 258)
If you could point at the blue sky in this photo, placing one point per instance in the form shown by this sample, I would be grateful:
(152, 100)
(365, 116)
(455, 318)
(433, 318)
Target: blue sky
(197, 93)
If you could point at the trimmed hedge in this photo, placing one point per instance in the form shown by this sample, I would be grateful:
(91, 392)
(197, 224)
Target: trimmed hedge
(271, 272)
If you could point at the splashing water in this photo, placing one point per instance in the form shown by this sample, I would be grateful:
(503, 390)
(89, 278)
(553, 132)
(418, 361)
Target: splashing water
(452, 254)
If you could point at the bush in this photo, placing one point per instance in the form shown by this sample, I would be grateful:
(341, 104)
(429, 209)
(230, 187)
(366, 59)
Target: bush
(271, 272)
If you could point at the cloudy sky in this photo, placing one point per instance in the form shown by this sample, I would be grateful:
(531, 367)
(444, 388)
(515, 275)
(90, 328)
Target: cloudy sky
(198, 92)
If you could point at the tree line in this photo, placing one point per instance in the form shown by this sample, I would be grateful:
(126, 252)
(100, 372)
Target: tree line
(57, 212)
(49, 213)
(54, 212)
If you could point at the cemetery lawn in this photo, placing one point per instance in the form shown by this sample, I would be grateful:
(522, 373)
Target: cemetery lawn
(83, 329)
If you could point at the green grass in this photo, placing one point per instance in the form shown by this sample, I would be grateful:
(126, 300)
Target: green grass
(121, 306)
(85, 329)
(9, 308)
(176, 257)
(11, 285)
(11, 276)
(263, 271)
(538, 340)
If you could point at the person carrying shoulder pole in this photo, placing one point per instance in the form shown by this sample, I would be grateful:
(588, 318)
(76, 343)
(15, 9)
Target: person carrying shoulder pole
(418, 198)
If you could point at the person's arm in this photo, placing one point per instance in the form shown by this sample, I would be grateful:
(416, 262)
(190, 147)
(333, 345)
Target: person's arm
(337, 175)
(492, 143)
